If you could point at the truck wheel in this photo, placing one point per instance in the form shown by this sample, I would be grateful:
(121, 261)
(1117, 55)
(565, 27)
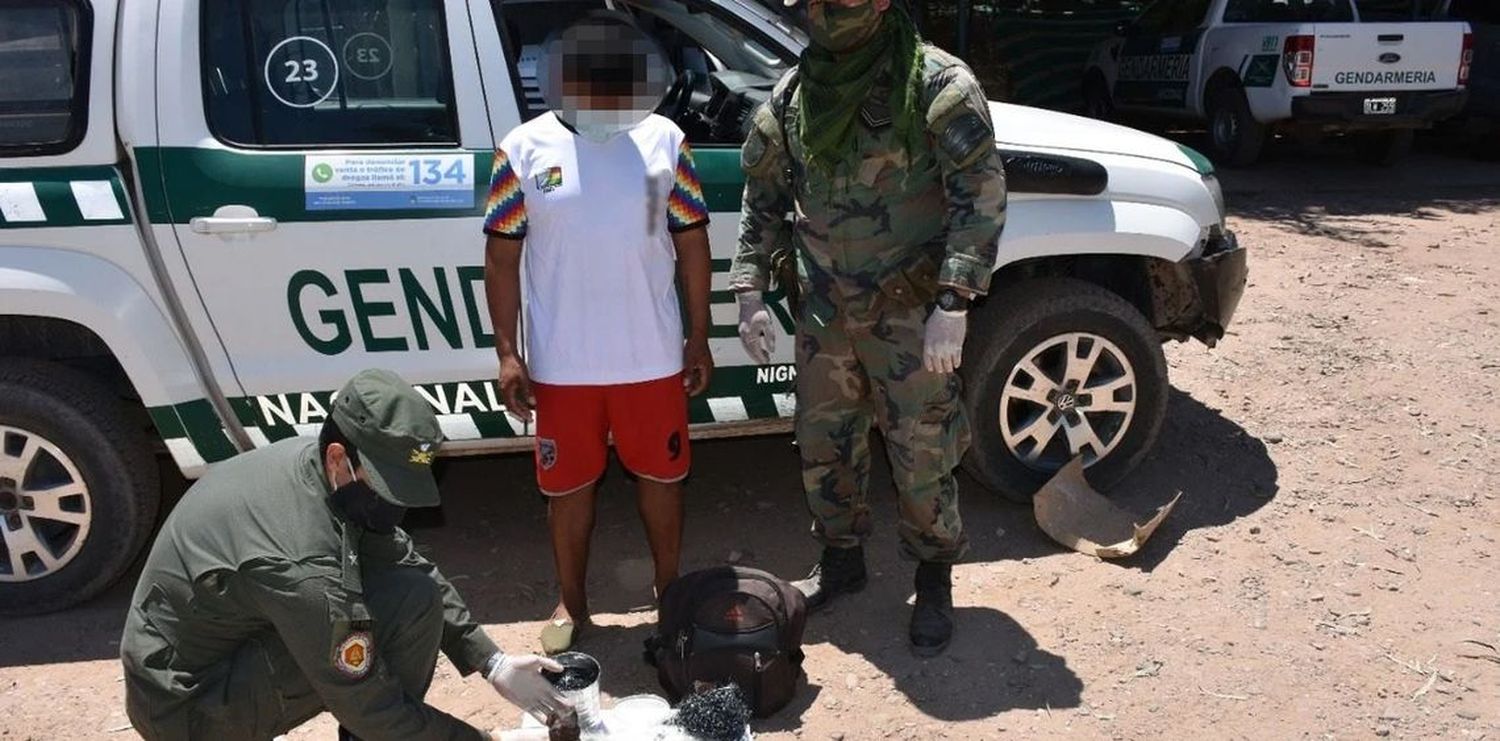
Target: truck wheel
(1056, 368)
(78, 488)
(1236, 138)
(1384, 148)
(1097, 103)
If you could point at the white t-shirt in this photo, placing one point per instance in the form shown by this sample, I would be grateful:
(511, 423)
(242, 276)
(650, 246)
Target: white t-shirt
(598, 266)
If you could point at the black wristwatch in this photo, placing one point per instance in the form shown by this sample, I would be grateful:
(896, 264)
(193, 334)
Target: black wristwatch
(951, 300)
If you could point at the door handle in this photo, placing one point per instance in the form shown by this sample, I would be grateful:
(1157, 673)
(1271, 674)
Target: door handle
(232, 224)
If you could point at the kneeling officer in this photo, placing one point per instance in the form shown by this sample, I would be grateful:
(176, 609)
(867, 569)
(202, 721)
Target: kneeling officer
(280, 587)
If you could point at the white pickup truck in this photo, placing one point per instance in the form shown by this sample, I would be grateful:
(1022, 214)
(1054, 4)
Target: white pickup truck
(1252, 68)
(213, 212)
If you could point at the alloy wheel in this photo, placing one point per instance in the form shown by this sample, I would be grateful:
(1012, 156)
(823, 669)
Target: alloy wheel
(45, 509)
(1071, 394)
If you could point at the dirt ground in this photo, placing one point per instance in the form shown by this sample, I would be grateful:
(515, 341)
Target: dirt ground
(1331, 572)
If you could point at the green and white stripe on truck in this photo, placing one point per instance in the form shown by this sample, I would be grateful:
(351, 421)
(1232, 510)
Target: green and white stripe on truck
(47, 197)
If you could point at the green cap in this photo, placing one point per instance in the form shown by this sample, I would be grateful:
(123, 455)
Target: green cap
(396, 433)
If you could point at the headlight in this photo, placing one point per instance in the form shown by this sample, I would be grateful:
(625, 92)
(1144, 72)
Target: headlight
(1217, 191)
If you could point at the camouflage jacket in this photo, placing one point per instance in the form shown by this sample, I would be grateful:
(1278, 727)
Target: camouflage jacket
(888, 221)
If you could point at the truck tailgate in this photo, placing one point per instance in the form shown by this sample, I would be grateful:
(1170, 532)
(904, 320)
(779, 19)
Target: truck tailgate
(1387, 56)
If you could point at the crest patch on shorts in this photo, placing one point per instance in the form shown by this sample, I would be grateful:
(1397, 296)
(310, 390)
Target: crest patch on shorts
(546, 452)
(354, 655)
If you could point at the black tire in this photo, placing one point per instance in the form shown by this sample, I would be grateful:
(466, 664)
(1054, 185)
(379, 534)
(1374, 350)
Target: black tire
(1384, 148)
(1097, 102)
(1236, 139)
(90, 427)
(1007, 327)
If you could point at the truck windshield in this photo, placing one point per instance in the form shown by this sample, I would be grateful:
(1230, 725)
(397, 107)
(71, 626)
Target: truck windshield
(1288, 11)
(729, 45)
(39, 69)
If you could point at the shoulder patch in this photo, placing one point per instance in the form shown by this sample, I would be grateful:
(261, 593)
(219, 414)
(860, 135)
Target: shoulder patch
(762, 150)
(958, 119)
(965, 138)
(754, 150)
(355, 655)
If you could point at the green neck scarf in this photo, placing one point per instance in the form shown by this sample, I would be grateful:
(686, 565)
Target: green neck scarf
(833, 87)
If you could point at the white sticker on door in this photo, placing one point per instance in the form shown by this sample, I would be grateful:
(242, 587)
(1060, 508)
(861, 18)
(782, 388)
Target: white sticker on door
(389, 181)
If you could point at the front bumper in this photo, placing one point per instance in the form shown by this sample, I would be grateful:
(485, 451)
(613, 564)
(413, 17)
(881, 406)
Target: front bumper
(1414, 110)
(1220, 273)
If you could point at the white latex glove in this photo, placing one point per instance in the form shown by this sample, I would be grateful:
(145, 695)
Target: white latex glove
(519, 679)
(757, 333)
(943, 344)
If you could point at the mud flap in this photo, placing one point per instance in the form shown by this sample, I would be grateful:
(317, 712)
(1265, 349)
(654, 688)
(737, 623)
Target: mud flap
(1075, 515)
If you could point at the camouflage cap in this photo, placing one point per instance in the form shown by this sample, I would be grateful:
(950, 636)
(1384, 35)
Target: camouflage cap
(396, 433)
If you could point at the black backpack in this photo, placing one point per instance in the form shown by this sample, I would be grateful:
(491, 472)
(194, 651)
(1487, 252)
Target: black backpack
(731, 624)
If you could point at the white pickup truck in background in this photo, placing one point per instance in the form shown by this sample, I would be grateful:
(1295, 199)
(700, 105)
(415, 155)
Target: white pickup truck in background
(1253, 68)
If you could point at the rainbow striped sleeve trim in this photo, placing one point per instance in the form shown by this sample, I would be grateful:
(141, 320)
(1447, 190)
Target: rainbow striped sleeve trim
(505, 209)
(686, 208)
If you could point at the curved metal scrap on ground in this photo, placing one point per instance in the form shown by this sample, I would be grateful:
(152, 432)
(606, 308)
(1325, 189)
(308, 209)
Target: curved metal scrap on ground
(1075, 515)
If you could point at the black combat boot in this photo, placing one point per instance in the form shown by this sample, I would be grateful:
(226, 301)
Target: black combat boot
(932, 618)
(839, 571)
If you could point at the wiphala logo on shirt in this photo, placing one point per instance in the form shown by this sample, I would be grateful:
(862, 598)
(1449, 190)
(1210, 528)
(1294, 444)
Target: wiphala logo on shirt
(549, 180)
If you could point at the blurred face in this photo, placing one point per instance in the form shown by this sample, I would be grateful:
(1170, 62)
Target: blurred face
(604, 77)
(585, 96)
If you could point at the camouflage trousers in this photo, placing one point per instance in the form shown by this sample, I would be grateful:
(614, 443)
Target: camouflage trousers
(864, 368)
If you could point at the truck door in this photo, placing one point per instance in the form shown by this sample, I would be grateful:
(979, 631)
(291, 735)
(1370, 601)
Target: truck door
(727, 59)
(323, 163)
(1156, 59)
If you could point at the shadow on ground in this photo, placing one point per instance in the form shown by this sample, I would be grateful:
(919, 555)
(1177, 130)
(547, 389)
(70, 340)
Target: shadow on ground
(1222, 471)
(1322, 189)
(745, 505)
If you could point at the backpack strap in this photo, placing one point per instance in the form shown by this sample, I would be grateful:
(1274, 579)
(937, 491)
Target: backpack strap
(788, 89)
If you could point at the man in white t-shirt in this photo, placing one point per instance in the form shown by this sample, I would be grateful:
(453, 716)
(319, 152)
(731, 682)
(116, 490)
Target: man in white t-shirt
(605, 200)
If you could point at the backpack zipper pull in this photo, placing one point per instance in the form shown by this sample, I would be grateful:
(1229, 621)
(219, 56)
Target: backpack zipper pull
(682, 645)
(758, 664)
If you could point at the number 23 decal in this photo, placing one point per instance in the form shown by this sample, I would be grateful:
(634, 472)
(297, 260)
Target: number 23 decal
(301, 70)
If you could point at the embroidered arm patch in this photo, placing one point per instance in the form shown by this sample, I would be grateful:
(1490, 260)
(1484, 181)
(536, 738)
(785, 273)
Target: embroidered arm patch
(966, 138)
(762, 155)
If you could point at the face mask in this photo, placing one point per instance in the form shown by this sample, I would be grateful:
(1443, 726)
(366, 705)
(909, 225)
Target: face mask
(361, 506)
(601, 126)
(838, 28)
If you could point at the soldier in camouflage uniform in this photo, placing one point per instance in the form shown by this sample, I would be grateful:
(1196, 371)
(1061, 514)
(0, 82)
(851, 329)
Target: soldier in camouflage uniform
(881, 150)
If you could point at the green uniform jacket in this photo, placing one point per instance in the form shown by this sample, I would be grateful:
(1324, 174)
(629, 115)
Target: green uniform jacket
(888, 220)
(255, 550)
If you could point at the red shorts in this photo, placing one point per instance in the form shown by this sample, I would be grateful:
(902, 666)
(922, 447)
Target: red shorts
(648, 420)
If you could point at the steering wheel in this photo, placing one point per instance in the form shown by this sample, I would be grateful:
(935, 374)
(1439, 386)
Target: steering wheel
(725, 110)
(674, 105)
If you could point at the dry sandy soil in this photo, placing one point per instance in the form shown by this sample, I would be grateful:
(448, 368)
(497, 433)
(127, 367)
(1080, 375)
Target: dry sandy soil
(1331, 572)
